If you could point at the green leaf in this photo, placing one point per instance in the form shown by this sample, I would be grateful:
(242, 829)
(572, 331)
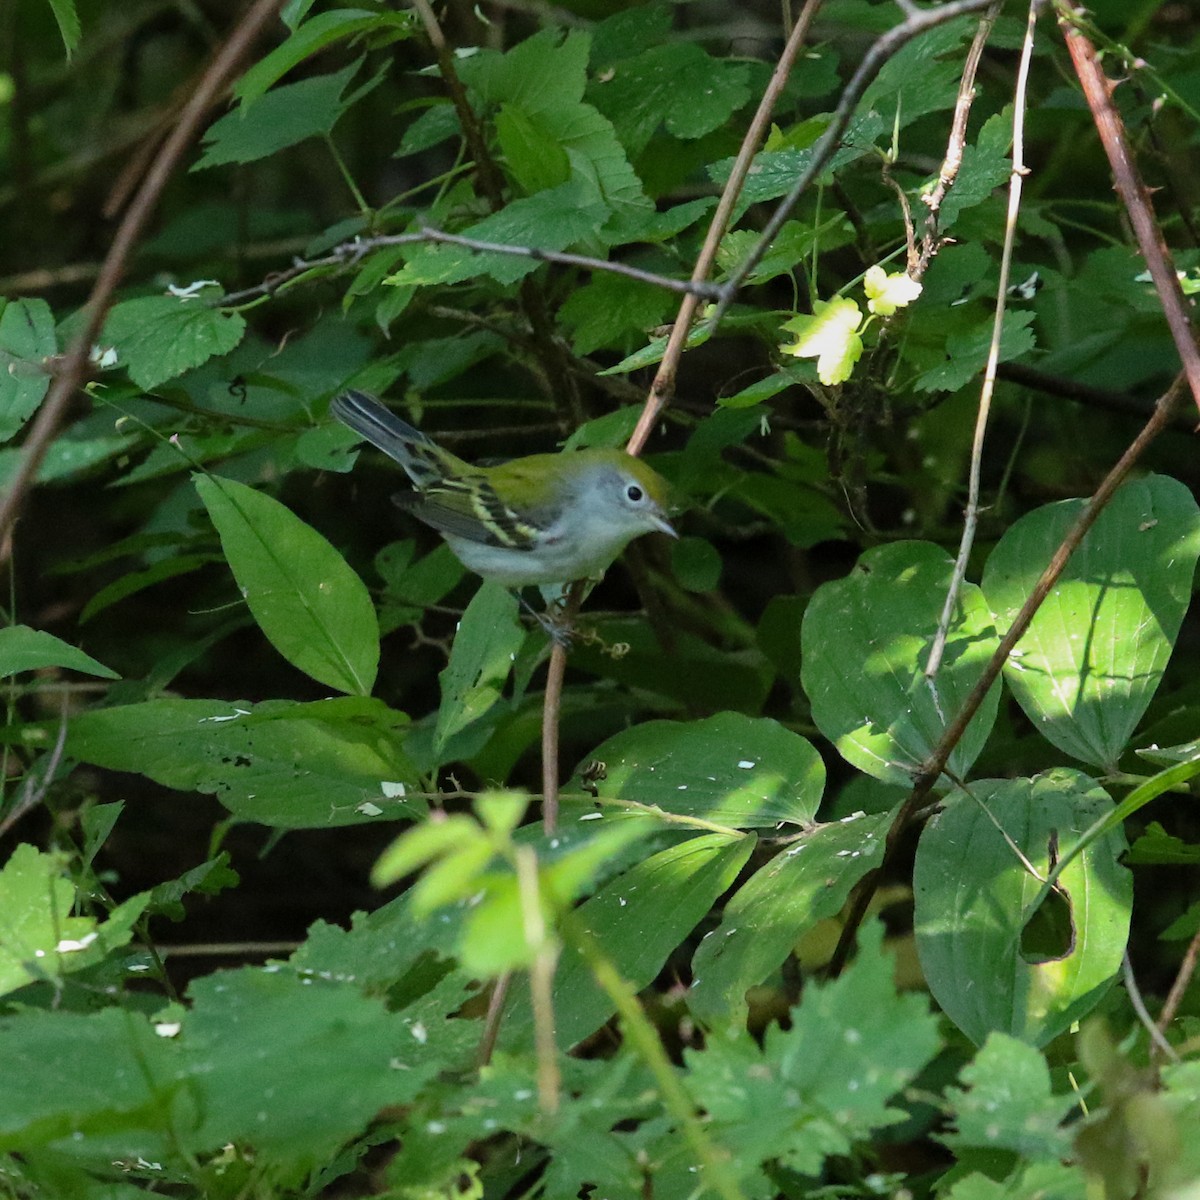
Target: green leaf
(679, 85)
(774, 172)
(289, 1067)
(972, 892)
(535, 161)
(865, 641)
(25, 649)
(696, 564)
(966, 353)
(68, 23)
(27, 339)
(546, 81)
(160, 337)
(985, 166)
(551, 220)
(775, 907)
(283, 117)
(637, 919)
(437, 123)
(294, 1066)
(1010, 1105)
(69, 1073)
(1095, 652)
(921, 77)
(485, 647)
(315, 34)
(830, 336)
(39, 939)
(66, 455)
(313, 608)
(816, 1089)
(294, 766)
(729, 768)
(609, 309)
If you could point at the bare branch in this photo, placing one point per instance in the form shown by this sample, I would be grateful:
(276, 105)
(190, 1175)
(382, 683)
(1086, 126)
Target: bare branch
(1098, 89)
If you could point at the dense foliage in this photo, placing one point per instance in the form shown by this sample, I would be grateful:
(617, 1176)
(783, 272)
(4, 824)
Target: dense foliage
(795, 931)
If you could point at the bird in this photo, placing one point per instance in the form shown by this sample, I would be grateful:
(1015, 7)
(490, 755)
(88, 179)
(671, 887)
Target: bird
(540, 520)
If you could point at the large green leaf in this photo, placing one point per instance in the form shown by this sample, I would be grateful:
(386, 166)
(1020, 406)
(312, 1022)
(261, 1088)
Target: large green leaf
(865, 641)
(973, 890)
(816, 1088)
(160, 337)
(334, 762)
(775, 907)
(283, 117)
(313, 608)
(25, 649)
(544, 79)
(291, 1066)
(679, 85)
(1096, 649)
(636, 919)
(731, 769)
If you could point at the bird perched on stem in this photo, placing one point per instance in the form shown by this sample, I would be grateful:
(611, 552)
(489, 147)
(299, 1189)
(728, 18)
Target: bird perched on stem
(542, 519)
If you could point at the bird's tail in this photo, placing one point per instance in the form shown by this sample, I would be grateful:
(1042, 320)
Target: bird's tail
(422, 458)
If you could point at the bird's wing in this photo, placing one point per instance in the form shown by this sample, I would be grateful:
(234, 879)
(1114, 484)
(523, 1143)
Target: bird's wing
(468, 507)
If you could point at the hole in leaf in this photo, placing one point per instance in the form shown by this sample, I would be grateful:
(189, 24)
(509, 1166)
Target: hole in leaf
(1049, 934)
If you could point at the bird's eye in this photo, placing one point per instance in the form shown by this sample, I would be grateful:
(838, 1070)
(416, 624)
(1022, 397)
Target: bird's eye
(634, 493)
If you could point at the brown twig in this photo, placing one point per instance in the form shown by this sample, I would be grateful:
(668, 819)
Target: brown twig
(551, 705)
(1178, 989)
(1098, 90)
(931, 769)
(663, 387)
(956, 143)
(74, 363)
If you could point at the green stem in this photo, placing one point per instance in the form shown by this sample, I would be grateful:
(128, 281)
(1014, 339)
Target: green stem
(644, 1039)
(359, 198)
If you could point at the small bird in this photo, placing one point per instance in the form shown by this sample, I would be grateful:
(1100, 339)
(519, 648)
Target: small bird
(542, 519)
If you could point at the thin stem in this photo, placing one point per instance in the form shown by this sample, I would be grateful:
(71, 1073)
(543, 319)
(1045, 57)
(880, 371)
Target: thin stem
(541, 979)
(988, 389)
(359, 198)
(642, 1036)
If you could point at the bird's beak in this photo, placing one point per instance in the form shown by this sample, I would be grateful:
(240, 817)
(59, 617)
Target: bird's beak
(664, 526)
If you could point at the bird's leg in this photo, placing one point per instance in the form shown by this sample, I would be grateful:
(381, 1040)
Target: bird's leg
(557, 630)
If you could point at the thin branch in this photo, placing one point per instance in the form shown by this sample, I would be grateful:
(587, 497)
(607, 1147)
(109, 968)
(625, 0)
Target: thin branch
(1098, 90)
(349, 254)
(1180, 986)
(54, 409)
(663, 387)
(1015, 187)
(552, 704)
(1161, 1045)
(956, 143)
